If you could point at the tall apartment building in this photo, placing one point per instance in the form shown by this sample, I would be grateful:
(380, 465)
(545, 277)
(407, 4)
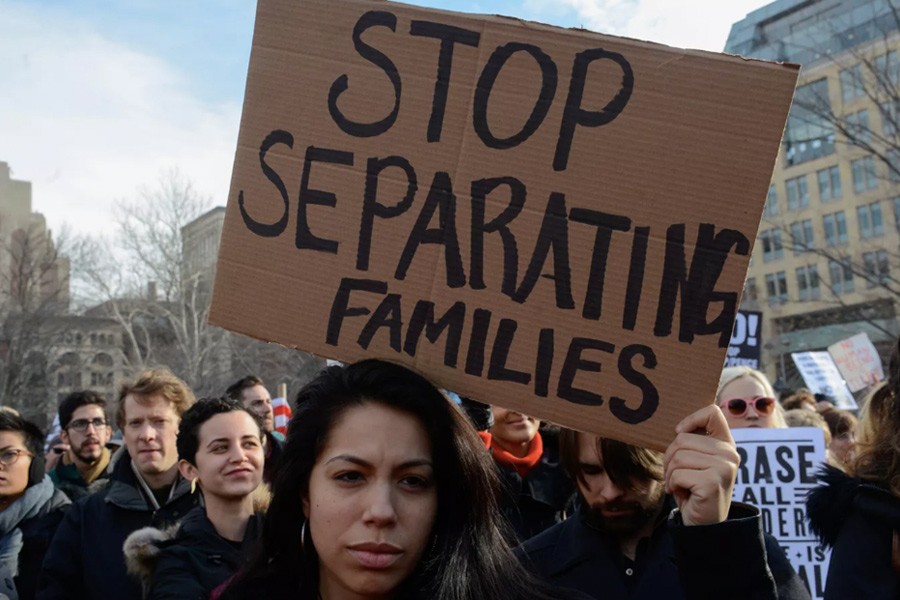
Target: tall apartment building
(826, 264)
(200, 245)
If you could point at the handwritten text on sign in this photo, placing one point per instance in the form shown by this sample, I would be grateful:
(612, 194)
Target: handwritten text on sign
(495, 206)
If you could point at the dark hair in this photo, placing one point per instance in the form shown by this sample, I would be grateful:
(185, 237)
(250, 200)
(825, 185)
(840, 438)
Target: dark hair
(155, 382)
(236, 389)
(468, 556)
(204, 409)
(33, 439)
(839, 421)
(76, 400)
(622, 462)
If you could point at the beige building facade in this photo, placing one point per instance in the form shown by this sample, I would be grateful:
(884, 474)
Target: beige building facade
(826, 264)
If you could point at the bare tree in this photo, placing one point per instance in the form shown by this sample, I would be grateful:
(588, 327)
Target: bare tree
(34, 294)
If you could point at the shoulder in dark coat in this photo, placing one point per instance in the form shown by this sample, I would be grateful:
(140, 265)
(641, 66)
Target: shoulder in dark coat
(858, 520)
(37, 533)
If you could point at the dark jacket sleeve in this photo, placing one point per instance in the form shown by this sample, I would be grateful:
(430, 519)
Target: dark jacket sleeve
(61, 572)
(726, 560)
(174, 577)
(789, 584)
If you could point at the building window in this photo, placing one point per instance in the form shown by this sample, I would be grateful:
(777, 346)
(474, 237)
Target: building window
(890, 112)
(771, 242)
(776, 287)
(809, 134)
(852, 85)
(870, 221)
(808, 283)
(878, 270)
(835, 228)
(829, 184)
(797, 193)
(841, 276)
(750, 292)
(802, 236)
(858, 126)
(887, 67)
(863, 170)
(772, 202)
(893, 164)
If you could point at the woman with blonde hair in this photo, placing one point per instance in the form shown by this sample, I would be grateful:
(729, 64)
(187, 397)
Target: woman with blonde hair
(748, 399)
(858, 513)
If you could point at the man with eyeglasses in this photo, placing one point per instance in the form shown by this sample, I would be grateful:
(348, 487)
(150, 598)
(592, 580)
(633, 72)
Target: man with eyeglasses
(83, 426)
(85, 560)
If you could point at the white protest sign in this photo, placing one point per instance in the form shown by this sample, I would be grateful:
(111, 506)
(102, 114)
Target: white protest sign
(858, 361)
(777, 471)
(822, 377)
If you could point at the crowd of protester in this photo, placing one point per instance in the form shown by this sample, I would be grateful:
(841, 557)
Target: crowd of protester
(385, 487)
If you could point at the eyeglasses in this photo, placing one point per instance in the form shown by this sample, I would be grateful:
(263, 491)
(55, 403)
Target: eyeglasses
(81, 425)
(9, 457)
(738, 407)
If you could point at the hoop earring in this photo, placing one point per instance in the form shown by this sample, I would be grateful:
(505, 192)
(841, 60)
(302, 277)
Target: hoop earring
(193, 485)
(303, 534)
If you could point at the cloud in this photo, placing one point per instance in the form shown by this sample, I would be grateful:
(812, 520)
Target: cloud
(686, 24)
(88, 120)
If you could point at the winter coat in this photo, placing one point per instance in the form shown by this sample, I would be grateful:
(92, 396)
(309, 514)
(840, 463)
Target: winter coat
(539, 500)
(85, 559)
(190, 560)
(26, 528)
(714, 562)
(859, 521)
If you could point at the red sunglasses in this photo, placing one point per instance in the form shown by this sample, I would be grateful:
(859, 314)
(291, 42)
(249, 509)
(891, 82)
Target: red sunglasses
(738, 407)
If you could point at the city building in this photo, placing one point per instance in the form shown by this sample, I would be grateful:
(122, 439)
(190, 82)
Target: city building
(826, 263)
(200, 246)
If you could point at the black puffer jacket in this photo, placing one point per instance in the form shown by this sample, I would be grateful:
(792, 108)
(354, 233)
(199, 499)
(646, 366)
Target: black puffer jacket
(858, 520)
(190, 561)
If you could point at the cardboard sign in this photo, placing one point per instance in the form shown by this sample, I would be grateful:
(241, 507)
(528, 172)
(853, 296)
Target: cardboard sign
(744, 349)
(777, 471)
(858, 361)
(555, 221)
(821, 376)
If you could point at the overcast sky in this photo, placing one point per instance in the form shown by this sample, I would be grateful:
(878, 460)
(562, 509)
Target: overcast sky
(99, 97)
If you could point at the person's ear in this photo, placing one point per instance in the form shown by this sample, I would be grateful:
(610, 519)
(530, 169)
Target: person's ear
(187, 470)
(64, 436)
(305, 504)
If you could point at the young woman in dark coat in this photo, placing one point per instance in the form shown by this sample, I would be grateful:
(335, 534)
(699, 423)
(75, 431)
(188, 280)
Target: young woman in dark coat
(858, 513)
(384, 491)
(220, 451)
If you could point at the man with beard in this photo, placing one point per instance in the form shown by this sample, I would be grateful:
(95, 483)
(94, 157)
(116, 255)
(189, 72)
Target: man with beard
(630, 539)
(252, 393)
(84, 428)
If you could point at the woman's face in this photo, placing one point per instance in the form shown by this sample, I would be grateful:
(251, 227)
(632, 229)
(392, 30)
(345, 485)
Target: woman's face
(747, 389)
(843, 446)
(372, 502)
(13, 477)
(512, 428)
(230, 457)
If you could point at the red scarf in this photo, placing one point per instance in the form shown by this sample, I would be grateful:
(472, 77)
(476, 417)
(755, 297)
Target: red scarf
(520, 465)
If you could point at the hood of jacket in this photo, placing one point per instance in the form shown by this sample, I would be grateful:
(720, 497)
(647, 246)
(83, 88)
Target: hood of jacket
(838, 495)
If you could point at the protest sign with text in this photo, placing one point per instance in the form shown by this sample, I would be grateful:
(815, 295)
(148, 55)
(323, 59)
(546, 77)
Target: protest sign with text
(745, 347)
(552, 220)
(821, 376)
(778, 469)
(858, 361)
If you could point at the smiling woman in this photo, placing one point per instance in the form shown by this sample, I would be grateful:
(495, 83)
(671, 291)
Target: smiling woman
(221, 452)
(384, 491)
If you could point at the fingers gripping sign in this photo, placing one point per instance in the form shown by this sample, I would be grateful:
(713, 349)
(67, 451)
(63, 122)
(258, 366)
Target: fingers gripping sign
(701, 467)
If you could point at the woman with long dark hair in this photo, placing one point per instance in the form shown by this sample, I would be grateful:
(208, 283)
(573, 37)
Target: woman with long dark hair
(858, 513)
(384, 491)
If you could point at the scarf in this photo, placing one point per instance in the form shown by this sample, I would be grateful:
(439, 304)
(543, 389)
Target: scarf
(95, 470)
(520, 465)
(25, 507)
